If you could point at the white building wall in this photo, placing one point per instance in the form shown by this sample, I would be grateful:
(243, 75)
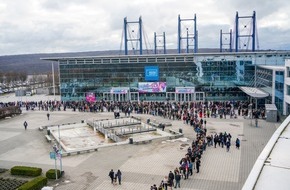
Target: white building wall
(286, 83)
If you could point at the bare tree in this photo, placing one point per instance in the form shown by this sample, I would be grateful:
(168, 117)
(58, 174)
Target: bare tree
(22, 76)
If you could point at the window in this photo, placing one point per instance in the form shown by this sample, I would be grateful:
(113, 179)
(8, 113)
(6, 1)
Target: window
(288, 90)
(288, 71)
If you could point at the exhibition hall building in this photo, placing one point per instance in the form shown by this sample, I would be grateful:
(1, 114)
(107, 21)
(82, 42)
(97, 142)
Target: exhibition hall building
(225, 76)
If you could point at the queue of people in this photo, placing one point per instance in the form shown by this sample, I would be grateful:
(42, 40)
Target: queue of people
(170, 110)
(192, 159)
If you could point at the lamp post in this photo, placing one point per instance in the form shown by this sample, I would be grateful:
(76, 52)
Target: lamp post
(60, 151)
(256, 118)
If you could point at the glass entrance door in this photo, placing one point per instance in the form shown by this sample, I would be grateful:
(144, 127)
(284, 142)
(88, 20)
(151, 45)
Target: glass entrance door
(184, 97)
(134, 96)
(170, 96)
(107, 96)
(120, 97)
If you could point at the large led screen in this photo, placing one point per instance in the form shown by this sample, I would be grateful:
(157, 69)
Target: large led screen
(151, 73)
(145, 87)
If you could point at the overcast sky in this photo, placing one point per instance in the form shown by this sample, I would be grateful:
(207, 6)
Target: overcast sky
(54, 26)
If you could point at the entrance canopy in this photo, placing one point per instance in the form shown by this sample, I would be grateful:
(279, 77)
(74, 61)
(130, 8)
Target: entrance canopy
(254, 92)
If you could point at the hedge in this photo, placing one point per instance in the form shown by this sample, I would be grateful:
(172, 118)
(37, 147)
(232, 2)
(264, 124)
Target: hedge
(26, 171)
(50, 174)
(35, 184)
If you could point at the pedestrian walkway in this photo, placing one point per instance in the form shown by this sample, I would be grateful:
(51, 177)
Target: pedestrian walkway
(141, 165)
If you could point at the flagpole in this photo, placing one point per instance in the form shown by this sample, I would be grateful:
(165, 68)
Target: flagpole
(53, 82)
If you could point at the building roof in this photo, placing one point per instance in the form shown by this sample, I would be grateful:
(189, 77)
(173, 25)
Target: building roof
(215, 54)
(273, 67)
(254, 92)
(272, 168)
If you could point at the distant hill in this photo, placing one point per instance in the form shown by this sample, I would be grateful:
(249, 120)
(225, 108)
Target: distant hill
(32, 64)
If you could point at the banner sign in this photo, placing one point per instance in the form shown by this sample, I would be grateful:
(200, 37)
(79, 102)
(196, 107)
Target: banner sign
(145, 87)
(90, 97)
(179, 90)
(119, 91)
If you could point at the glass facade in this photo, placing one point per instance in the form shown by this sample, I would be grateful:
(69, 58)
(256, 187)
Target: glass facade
(213, 76)
(279, 90)
(287, 109)
(288, 90)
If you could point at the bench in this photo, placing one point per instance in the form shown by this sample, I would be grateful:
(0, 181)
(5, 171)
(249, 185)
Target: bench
(48, 138)
(173, 132)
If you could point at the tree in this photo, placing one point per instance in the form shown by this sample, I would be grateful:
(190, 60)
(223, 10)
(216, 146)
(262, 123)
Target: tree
(22, 76)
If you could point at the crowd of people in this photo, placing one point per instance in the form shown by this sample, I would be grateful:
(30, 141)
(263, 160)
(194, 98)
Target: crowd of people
(192, 159)
(170, 110)
(191, 113)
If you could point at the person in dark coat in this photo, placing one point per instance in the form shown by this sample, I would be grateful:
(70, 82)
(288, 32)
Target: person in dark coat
(119, 176)
(25, 125)
(228, 145)
(177, 180)
(238, 143)
(111, 175)
(197, 162)
(171, 178)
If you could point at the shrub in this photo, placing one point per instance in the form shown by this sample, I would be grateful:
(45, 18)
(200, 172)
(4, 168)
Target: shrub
(50, 174)
(35, 184)
(26, 171)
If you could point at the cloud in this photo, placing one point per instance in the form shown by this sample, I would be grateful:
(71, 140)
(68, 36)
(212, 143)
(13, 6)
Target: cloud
(44, 26)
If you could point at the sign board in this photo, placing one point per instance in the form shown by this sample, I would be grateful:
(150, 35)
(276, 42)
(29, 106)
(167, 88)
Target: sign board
(119, 90)
(90, 97)
(187, 90)
(145, 87)
(151, 73)
(52, 155)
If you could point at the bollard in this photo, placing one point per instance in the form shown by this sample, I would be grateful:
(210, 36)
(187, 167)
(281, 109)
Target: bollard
(130, 140)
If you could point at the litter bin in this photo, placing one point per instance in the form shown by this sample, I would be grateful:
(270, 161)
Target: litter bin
(180, 130)
(148, 121)
(130, 140)
(82, 121)
(48, 132)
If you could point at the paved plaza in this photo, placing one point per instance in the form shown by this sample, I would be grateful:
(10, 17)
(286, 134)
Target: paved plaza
(142, 165)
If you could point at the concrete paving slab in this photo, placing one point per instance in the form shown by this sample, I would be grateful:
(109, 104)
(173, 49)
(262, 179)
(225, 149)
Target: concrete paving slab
(141, 165)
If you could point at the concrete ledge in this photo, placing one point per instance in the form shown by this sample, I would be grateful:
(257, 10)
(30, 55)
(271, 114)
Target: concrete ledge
(174, 132)
(142, 142)
(48, 138)
(137, 118)
(156, 124)
(175, 136)
(47, 126)
(70, 153)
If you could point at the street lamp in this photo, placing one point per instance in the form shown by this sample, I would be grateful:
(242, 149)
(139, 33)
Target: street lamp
(60, 151)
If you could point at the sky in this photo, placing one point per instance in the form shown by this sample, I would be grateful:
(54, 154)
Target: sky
(57, 26)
